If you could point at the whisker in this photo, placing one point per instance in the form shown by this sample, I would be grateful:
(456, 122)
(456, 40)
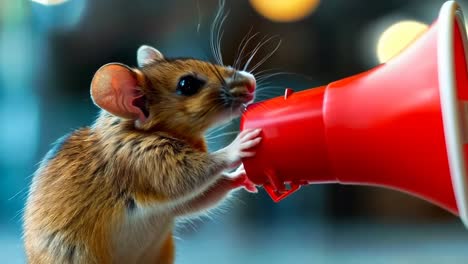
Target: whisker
(268, 84)
(215, 28)
(241, 55)
(265, 71)
(269, 88)
(267, 76)
(217, 129)
(267, 94)
(218, 74)
(261, 76)
(222, 135)
(231, 116)
(271, 92)
(214, 103)
(220, 25)
(264, 83)
(256, 49)
(267, 57)
(220, 37)
(237, 57)
(199, 17)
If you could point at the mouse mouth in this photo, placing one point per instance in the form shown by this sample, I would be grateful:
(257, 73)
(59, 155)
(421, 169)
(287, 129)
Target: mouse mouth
(248, 98)
(240, 92)
(247, 94)
(240, 102)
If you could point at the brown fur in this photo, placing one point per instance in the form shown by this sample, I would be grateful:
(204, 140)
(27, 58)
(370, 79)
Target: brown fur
(192, 115)
(98, 177)
(167, 249)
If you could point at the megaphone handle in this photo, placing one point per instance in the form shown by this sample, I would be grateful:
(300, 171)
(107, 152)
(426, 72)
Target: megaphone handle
(276, 195)
(276, 188)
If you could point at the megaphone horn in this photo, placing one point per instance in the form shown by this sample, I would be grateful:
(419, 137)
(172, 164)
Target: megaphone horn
(402, 125)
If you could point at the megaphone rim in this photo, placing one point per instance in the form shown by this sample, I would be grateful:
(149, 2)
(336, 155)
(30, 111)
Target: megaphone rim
(451, 15)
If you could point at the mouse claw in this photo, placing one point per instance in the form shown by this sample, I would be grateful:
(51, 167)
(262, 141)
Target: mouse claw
(243, 181)
(250, 186)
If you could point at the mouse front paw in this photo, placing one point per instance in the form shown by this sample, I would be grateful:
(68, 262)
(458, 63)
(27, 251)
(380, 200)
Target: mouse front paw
(242, 146)
(240, 179)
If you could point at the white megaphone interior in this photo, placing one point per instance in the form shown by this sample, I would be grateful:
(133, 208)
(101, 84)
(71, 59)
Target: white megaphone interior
(454, 115)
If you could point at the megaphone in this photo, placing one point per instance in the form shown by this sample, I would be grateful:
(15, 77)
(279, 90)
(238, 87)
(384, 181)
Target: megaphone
(402, 125)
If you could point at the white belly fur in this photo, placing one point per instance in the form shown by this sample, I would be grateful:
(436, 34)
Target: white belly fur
(140, 236)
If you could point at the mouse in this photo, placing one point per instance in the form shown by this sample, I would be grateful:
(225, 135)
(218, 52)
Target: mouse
(112, 191)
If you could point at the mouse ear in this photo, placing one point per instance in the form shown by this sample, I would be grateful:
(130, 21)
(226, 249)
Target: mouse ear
(147, 54)
(114, 88)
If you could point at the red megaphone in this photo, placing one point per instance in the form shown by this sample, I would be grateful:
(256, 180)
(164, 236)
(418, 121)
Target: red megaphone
(402, 125)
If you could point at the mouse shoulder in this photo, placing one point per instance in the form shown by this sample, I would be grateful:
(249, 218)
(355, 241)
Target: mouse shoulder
(71, 143)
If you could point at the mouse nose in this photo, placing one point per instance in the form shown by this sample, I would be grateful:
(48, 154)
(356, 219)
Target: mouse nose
(249, 79)
(252, 84)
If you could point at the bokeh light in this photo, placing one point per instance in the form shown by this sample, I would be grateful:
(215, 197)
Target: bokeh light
(397, 37)
(285, 10)
(50, 2)
(50, 49)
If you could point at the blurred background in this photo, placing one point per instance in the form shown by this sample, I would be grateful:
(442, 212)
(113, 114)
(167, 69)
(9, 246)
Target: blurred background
(49, 51)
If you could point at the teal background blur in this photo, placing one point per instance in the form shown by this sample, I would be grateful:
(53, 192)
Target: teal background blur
(48, 55)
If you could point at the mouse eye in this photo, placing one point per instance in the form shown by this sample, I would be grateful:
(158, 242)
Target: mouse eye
(189, 85)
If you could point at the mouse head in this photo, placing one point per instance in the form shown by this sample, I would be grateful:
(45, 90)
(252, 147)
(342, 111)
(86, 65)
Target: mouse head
(185, 95)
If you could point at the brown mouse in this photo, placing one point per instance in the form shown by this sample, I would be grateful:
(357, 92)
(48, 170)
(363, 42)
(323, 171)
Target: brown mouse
(110, 192)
